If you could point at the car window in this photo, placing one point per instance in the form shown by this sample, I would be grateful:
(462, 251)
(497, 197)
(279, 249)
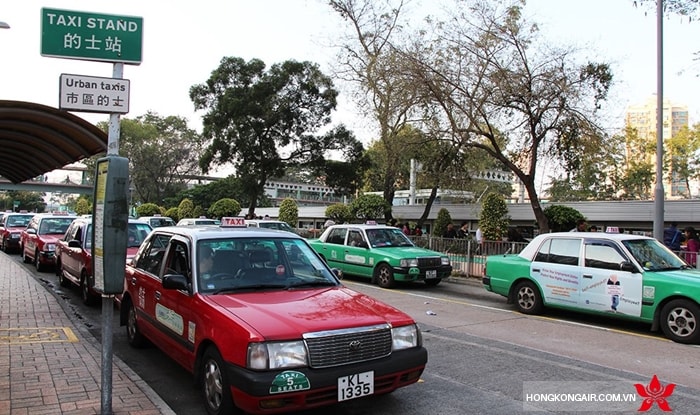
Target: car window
(559, 251)
(54, 226)
(605, 255)
(337, 236)
(17, 220)
(354, 237)
(177, 261)
(151, 257)
(652, 255)
(258, 264)
(137, 232)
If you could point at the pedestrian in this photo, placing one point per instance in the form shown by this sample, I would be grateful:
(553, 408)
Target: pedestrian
(580, 226)
(417, 231)
(673, 237)
(463, 231)
(692, 246)
(405, 229)
(593, 228)
(450, 232)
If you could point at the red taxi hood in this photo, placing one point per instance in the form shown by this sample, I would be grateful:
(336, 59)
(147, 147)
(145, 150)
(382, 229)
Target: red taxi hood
(50, 238)
(288, 314)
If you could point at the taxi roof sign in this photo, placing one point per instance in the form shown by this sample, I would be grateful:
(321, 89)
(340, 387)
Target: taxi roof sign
(229, 222)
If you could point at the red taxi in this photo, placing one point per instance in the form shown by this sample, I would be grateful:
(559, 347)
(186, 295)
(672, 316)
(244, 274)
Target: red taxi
(11, 227)
(74, 254)
(38, 239)
(262, 322)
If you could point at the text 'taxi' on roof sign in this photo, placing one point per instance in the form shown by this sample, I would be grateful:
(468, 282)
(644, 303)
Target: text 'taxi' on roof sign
(90, 36)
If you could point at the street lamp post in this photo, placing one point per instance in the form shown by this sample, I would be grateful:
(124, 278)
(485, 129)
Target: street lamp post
(659, 189)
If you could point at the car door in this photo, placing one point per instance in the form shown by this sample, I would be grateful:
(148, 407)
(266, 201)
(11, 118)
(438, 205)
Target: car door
(556, 270)
(173, 307)
(334, 248)
(356, 254)
(143, 281)
(605, 286)
(70, 257)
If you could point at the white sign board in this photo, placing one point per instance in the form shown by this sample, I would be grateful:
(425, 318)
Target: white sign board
(93, 94)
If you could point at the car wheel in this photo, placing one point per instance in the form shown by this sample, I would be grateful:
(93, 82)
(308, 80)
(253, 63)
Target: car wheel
(527, 298)
(89, 299)
(679, 321)
(216, 389)
(133, 334)
(384, 276)
(4, 245)
(62, 280)
(433, 282)
(37, 262)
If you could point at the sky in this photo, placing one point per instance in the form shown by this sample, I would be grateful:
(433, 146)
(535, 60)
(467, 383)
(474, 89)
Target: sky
(184, 41)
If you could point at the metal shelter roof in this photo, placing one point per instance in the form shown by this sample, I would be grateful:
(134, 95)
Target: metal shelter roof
(35, 139)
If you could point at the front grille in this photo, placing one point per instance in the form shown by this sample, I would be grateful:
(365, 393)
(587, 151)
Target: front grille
(346, 346)
(429, 262)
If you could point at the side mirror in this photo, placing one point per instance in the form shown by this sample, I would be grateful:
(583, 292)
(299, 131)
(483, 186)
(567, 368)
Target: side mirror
(628, 266)
(74, 243)
(363, 244)
(338, 273)
(175, 282)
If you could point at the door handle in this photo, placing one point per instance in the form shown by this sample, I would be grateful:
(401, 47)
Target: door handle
(587, 276)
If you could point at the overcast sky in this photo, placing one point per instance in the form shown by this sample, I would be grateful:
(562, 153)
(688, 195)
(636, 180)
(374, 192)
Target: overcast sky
(184, 41)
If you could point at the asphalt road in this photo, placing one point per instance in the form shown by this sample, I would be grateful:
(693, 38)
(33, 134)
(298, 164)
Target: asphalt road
(482, 355)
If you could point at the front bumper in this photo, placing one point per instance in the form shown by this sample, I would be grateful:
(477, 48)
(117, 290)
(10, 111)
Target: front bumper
(419, 274)
(251, 389)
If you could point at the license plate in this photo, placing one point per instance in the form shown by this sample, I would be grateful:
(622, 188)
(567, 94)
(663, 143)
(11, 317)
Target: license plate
(355, 386)
(430, 274)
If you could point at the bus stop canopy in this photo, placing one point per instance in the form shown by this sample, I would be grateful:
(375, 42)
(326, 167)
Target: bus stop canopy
(35, 139)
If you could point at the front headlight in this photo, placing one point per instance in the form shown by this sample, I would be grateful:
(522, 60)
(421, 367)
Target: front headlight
(405, 337)
(50, 247)
(445, 260)
(409, 263)
(276, 355)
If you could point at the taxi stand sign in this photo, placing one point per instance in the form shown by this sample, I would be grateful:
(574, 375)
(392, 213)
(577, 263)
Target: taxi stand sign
(93, 94)
(90, 36)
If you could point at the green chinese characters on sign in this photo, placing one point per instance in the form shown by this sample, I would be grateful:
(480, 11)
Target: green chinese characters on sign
(290, 381)
(91, 36)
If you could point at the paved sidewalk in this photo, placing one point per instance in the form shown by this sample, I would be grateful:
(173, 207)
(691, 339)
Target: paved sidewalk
(48, 365)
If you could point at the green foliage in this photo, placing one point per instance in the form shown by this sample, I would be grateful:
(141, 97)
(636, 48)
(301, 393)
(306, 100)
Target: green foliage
(494, 219)
(161, 152)
(441, 221)
(339, 213)
(289, 212)
(562, 218)
(252, 115)
(83, 206)
(29, 201)
(185, 209)
(224, 207)
(369, 207)
(173, 213)
(198, 211)
(149, 209)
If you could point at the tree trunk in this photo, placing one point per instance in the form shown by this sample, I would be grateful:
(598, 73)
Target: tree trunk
(541, 219)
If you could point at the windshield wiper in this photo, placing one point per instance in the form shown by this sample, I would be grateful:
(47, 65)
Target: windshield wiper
(318, 283)
(249, 287)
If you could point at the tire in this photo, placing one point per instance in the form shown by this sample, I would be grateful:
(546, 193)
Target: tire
(679, 321)
(25, 258)
(384, 276)
(133, 334)
(216, 389)
(433, 282)
(62, 280)
(528, 299)
(4, 245)
(37, 262)
(89, 299)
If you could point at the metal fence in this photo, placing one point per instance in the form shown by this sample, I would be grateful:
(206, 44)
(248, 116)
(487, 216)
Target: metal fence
(466, 255)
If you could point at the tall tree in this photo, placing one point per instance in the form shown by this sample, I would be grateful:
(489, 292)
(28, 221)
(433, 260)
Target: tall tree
(682, 159)
(503, 89)
(162, 153)
(262, 121)
(368, 61)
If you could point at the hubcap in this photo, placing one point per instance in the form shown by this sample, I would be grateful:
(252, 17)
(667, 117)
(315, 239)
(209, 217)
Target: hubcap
(526, 298)
(682, 322)
(213, 389)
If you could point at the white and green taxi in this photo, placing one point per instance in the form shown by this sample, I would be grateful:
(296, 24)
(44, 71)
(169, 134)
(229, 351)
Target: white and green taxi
(619, 275)
(382, 253)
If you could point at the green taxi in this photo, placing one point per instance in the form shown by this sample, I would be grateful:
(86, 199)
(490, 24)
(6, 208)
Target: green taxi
(382, 253)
